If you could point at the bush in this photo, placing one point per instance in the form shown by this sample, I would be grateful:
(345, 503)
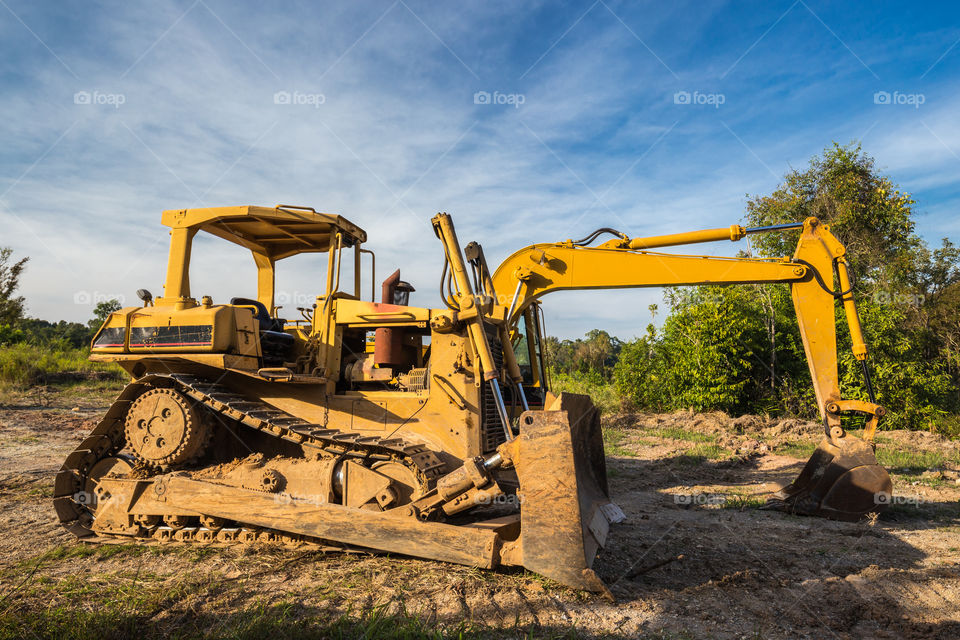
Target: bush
(643, 375)
(603, 392)
(708, 356)
(916, 390)
(11, 335)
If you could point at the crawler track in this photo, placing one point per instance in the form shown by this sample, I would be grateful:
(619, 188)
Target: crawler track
(107, 439)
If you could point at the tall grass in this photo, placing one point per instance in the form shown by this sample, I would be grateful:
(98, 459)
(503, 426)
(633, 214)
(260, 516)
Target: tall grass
(24, 365)
(604, 393)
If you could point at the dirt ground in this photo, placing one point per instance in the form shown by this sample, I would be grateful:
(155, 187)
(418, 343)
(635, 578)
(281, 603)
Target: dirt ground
(696, 557)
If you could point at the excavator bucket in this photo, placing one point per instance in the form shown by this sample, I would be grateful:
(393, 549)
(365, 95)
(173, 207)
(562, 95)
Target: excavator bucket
(842, 480)
(564, 504)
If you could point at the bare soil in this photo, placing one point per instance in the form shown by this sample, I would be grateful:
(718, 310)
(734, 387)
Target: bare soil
(696, 557)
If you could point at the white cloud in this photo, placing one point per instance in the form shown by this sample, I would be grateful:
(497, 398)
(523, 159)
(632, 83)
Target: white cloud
(199, 126)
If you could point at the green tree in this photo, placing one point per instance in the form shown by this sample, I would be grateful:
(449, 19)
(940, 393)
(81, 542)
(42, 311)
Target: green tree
(739, 348)
(707, 356)
(102, 311)
(595, 354)
(902, 287)
(865, 209)
(11, 306)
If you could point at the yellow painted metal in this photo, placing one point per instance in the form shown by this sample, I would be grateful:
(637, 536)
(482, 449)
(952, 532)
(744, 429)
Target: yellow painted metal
(270, 235)
(445, 400)
(278, 232)
(815, 315)
(443, 226)
(545, 268)
(842, 477)
(733, 233)
(853, 319)
(266, 280)
(177, 287)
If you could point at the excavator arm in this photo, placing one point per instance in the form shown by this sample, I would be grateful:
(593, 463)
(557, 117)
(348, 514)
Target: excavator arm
(842, 478)
(554, 454)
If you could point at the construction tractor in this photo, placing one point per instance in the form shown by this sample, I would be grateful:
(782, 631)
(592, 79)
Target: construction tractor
(429, 432)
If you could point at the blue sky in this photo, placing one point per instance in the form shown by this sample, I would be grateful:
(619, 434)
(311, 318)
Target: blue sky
(114, 111)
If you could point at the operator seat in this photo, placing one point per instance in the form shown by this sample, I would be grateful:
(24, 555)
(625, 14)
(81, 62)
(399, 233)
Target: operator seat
(275, 344)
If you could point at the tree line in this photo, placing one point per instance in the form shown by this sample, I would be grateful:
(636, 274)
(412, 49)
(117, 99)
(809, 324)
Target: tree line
(738, 349)
(16, 327)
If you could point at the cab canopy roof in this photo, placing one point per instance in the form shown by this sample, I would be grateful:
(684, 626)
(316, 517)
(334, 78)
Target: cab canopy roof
(280, 232)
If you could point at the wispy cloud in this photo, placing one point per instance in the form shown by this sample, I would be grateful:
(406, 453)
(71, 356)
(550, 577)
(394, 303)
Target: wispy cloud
(370, 109)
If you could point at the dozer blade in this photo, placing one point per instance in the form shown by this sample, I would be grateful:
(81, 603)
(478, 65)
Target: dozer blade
(841, 481)
(565, 512)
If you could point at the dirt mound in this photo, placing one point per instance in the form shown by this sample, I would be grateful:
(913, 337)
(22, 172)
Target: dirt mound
(713, 422)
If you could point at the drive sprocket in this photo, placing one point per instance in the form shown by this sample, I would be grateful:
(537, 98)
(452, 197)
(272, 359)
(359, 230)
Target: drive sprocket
(165, 428)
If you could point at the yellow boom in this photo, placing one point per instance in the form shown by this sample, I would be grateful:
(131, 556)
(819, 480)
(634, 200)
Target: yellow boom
(622, 262)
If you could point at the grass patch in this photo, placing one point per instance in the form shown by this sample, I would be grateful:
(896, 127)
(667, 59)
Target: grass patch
(700, 453)
(678, 433)
(948, 426)
(126, 605)
(801, 450)
(23, 365)
(63, 552)
(905, 461)
(43, 491)
(742, 502)
(894, 457)
(613, 443)
(99, 551)
(933, 483)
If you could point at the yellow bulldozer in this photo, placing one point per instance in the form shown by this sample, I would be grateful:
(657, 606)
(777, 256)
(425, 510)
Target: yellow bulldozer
(429, 432)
